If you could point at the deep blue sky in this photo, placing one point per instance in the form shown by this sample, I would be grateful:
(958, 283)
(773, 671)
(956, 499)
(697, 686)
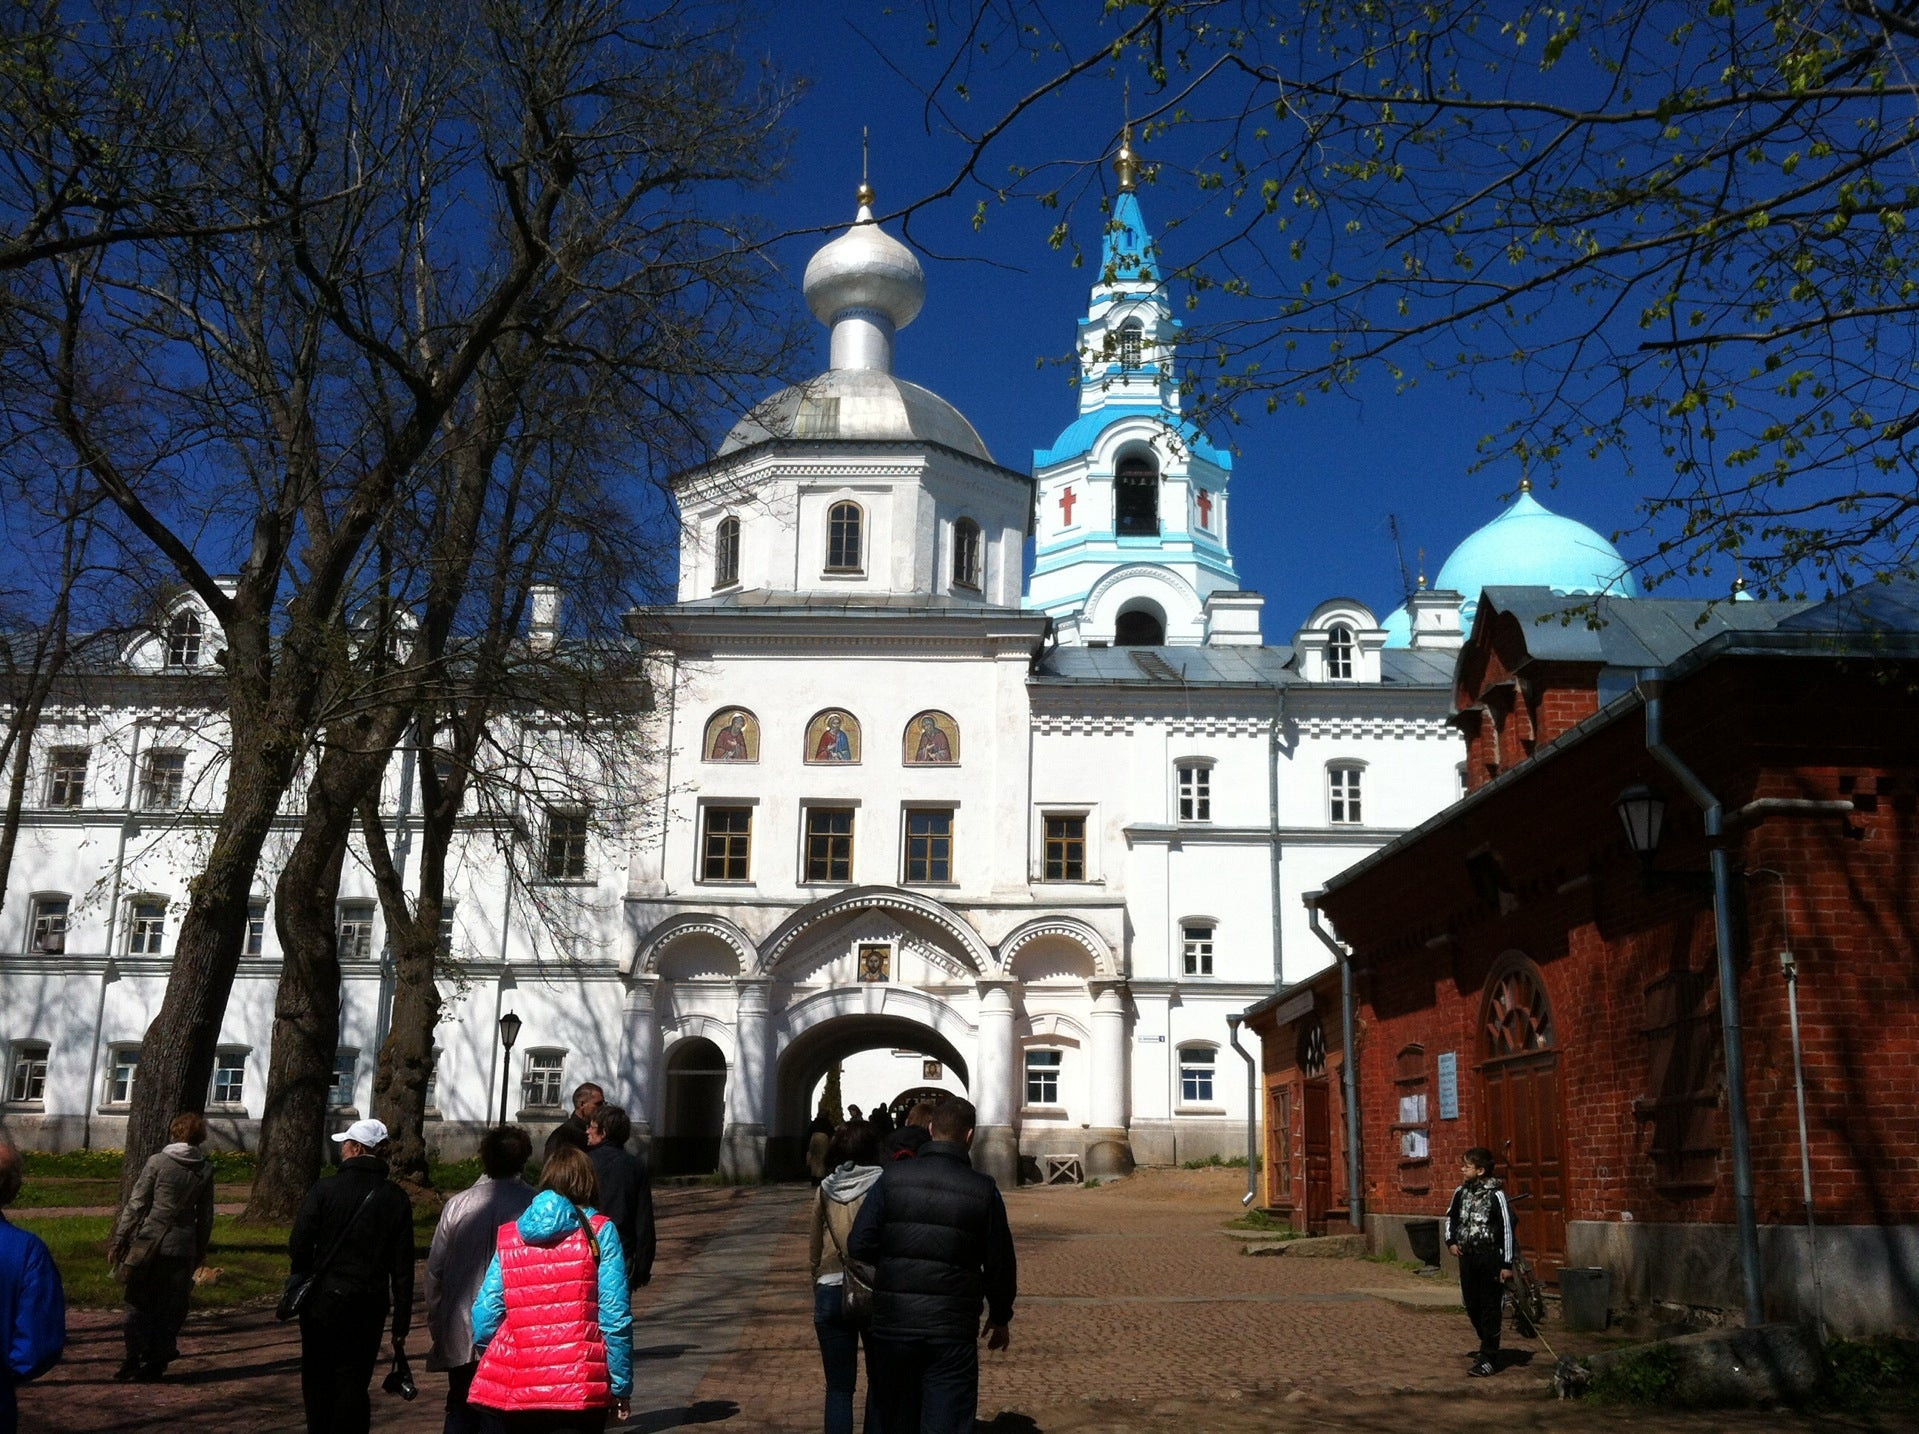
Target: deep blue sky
(1312, 487)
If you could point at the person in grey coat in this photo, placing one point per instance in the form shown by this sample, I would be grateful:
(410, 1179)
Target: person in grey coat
(161, 1236)
(463, 1246)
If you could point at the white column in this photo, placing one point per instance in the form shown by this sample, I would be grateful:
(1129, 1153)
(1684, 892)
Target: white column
(1108, 1152)
(995, 1081)
(640, 1045)
(749, 1085)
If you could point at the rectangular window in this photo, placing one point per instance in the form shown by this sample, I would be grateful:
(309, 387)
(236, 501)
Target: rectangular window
(541, 1089)
(1065, 848)
(829, 843)
(123, 1064)
(929, 846)
(256, 928)
(147, 928)
(1342, 789)
(728, 845)
(1196, 1075)
(50, 923)
(166, 781)
(346, 1062)
(1197, 944)
(1042, 1077)
(229, 1079)
(565, 845)
(356, 931)
(446, 930)
(67, 777)
(1195, 793)
(27, 1084)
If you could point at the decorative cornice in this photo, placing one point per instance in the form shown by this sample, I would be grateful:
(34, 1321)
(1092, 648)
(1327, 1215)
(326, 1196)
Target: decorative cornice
(1398, 729)
(876, 898)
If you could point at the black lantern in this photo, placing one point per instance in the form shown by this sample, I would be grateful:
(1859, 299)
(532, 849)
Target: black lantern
(1642, 812)
(509, 1033)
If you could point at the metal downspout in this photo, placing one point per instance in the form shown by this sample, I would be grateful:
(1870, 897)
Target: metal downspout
(1652, 686)
(1252, 1111)
(1272, 832)
(1348, 1064)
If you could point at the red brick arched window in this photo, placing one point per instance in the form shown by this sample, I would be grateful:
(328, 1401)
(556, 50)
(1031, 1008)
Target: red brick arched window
(1517, 1018)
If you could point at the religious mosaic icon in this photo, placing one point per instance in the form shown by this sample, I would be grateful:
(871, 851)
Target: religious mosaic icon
(876, 962)
(932, 740)
(833, 736)
(732, 735)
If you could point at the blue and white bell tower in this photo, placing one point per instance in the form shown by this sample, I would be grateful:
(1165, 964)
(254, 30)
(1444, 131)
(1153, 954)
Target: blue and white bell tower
(1130, 539)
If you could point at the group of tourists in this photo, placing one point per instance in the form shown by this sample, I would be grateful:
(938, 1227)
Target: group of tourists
(909, 1246)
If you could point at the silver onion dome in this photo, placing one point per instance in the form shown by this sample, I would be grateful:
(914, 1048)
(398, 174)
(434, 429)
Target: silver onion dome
(866, 286)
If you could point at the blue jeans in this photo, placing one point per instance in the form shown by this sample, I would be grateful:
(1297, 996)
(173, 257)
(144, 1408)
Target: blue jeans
(840, 1342)
(927, 1386)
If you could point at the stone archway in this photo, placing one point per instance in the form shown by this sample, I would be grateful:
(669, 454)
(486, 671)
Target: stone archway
(693, 1109)
(808, 1057)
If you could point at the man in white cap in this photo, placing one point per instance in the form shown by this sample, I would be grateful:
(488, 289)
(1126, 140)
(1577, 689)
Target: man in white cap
(354, 1238)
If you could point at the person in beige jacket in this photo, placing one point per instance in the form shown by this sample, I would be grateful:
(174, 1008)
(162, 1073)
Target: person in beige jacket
(161, 1236)
(853, 1161)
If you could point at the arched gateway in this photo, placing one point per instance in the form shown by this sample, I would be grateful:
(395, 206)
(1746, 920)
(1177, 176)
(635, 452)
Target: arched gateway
(867, 968)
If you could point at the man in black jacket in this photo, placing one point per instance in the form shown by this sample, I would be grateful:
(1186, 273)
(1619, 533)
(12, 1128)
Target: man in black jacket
(626, 1189)
(354, 1236)
(935, 1231)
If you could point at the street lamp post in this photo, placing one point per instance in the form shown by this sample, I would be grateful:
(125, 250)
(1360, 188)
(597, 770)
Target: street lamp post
(509, 1033)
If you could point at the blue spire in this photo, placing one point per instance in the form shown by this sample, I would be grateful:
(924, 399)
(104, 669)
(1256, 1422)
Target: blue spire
(1128, 255)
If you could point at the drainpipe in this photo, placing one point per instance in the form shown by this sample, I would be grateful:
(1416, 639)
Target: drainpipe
(1349, 1062)
(1652, 687)
(1272, 829)
(1252, 1111)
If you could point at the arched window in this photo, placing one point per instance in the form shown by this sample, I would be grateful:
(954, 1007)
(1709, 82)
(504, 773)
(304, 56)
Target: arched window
(1342, 795)
(726, 553)
(1310, 1056)
(1340, 647)
(1131, 343)
(966, 554)
(1136, 496)
(1518, 1018)
(843, 538)
(1139, 627)
(183, 640)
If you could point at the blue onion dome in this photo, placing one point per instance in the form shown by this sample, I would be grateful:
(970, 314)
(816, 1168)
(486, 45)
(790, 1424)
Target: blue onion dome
(1399, 627)
(1528, 545)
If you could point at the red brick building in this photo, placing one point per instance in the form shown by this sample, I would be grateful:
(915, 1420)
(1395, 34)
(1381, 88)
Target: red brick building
(1302, 1064)
(1525, 981)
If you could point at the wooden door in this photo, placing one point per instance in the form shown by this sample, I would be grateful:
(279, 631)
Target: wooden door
(1520, 1105)
(1317, 1138)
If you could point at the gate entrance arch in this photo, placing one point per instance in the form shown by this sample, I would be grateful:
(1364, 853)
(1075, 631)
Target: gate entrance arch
(814, 1051)
(693, 1110)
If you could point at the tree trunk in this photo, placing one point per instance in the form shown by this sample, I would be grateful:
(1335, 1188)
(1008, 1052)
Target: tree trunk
(306, 1008)
(406, 1059)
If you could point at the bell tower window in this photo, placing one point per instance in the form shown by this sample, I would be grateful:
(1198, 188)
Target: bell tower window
(726, 553)
(1136, 497)
(1140, 626)
(1132, 343)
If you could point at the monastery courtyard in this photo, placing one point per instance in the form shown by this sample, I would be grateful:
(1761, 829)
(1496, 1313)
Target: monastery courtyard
(1137, 1311)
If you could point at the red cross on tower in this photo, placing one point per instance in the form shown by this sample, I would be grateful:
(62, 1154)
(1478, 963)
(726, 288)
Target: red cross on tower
(1205, 509)
(1066, 501)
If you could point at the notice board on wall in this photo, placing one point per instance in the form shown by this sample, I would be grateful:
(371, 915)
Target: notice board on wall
(1449, 1085)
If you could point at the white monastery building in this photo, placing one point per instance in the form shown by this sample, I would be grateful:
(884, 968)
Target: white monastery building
(920, 811)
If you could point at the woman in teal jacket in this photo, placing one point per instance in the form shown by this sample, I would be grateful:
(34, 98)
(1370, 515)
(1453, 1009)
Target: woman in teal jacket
(550, 1364)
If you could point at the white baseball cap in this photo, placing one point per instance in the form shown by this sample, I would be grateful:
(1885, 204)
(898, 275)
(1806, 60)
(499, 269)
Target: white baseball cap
(369, 1133)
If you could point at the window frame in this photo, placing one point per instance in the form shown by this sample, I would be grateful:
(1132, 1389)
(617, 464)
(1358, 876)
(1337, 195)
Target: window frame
(1190, 1073)
(704, 856)
(565, 852)
(346, 1062)
(1046, 1073)
(1084, 872)
(821, 851)
(949, 836)
(1196, 950)
(839, 529)
(969, 556)
(23, 1056)
(115, 1052)
(355, 914)
(146, 926)
(1345, 808)
(1342, 652)
(40, 922)
(228, 1059)
(1132, 344)
(66, 782)
(255, 944)
(553, 1077)
(163, 788)
(1193, 791)
(185, 639)
(726, 553)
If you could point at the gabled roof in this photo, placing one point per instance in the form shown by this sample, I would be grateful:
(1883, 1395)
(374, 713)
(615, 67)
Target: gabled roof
(1624, 632)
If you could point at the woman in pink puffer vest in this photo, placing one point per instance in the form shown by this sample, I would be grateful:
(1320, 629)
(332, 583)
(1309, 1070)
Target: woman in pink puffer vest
(553, 1313)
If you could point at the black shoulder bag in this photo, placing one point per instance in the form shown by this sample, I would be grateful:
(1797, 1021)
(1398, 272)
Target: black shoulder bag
(299, 1288)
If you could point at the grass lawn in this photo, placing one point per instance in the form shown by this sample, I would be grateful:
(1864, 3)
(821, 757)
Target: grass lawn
(41, 1193)
(251, 1259)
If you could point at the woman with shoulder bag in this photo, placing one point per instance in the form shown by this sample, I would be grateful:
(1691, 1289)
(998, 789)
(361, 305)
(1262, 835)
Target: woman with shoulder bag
(854, 1158)
(158, 1241)
(552, 1317)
